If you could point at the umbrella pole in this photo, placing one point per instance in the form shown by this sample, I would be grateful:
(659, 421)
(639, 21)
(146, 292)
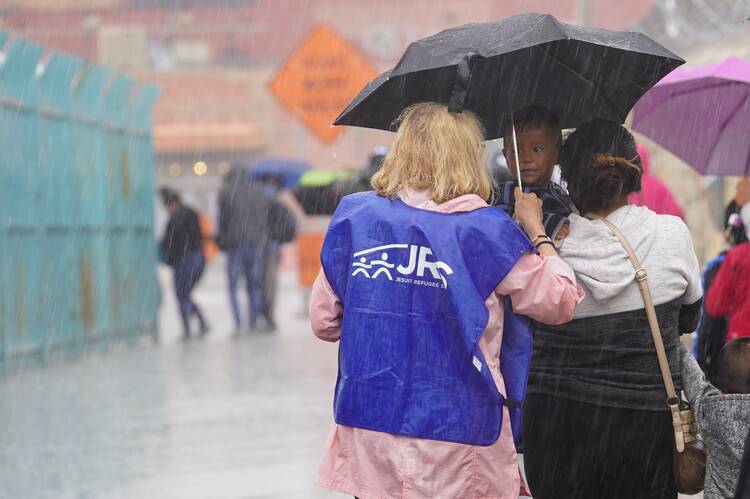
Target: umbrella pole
(515, 152)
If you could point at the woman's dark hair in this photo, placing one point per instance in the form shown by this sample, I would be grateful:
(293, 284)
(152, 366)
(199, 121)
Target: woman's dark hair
(733, 226)
(600, 164)
(169, 196)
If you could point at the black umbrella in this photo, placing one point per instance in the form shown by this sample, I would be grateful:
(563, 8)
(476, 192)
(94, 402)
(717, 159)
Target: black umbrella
(529, 59)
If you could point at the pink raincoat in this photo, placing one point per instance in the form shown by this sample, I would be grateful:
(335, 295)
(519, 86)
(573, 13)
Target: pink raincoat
(376, 465)
(654, 194)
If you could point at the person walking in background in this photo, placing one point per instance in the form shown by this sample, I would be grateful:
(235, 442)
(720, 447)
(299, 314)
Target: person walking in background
(360, 181)
(243, 234)
(712, 331)
(282, 229)
(722, 413)
(182, 250)
(729, 295)
(421, 282)
(654, 194)
(596, 423)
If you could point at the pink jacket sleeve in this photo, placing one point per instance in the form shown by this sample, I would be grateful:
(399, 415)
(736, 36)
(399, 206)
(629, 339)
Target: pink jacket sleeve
(325, 310)
(543, 288)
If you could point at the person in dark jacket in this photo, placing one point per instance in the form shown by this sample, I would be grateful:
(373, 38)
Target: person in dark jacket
(729, 296)
(182, 250)
(712, 331)
(243, 233)
(281, 230)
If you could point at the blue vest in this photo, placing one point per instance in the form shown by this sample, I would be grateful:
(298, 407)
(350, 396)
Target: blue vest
(413, 284)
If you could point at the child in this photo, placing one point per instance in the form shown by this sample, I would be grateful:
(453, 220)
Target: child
(539, 140)
(722, 413)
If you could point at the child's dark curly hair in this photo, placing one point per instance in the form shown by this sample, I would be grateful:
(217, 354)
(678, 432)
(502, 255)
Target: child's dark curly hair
(600, 164)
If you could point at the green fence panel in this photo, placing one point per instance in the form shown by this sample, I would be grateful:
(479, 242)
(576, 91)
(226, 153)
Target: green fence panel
(77, 253)
(60, 184)
(22, 281)
(91, 261)
(122, 264)
(141, 214)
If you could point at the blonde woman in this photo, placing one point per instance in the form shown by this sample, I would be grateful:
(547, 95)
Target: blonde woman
(415, 282)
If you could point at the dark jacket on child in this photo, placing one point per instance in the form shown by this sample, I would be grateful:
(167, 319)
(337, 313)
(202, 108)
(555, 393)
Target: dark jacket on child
(556, 204)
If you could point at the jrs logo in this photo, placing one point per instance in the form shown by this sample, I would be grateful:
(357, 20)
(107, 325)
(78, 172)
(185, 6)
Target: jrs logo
(378, 261)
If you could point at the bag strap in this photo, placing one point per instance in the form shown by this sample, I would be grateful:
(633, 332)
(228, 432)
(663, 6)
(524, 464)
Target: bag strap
(641, 277)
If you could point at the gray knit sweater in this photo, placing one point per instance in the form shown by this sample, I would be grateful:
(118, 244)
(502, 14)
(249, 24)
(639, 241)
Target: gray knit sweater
(723, 422)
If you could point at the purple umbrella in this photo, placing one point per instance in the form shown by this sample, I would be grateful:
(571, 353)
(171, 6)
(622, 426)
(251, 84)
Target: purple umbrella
(702, 115)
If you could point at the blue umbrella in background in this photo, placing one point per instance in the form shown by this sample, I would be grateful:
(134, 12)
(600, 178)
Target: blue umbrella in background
(289, 170)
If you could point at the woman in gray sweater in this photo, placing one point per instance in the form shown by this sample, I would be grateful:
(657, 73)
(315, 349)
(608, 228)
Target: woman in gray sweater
(596, 420)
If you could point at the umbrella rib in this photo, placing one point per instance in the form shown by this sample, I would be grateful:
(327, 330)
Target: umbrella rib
(592, 84)
(681, 93)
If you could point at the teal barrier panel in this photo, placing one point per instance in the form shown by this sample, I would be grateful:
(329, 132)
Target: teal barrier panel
(20, 208)
(3, 243)
(141, 212)
(91, 261)
(77, 253)
(122, 264)
(60, 185)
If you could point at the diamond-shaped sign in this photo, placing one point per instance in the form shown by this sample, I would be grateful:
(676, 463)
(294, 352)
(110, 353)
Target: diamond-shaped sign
(319, 79)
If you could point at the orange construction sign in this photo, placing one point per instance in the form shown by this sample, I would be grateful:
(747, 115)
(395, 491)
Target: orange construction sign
(319, 79)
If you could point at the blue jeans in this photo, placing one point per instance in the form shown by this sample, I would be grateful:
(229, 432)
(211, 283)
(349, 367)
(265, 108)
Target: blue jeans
(247, 260)
(187, 272)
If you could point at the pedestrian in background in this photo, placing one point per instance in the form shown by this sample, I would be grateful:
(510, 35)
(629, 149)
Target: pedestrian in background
(729, 296)
(596, 423)
(282, 229)
(654, 194)
(712, 331)
(243, 234)
(182, 250)
(419, 404)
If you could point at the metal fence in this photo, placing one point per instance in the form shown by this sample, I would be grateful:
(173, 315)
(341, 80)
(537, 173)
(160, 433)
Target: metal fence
(77, 250)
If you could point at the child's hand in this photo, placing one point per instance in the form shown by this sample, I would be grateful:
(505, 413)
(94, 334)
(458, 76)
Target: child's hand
(562, 233)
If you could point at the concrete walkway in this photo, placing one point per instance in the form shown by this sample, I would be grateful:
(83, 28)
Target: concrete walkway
(216, 418)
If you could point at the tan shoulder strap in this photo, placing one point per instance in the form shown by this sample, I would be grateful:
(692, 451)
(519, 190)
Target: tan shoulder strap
(641, 277)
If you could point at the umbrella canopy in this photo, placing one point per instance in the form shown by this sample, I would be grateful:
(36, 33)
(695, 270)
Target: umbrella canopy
(322, 178)
(702, 115)
(289, 170)
(529, 59)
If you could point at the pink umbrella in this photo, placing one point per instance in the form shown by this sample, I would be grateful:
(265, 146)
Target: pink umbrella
(701, 115)
(654, 194)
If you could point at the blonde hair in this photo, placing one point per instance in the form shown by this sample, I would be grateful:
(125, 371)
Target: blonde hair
(435, 150)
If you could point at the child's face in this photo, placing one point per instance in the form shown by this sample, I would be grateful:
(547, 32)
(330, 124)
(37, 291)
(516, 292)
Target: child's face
(538, 150)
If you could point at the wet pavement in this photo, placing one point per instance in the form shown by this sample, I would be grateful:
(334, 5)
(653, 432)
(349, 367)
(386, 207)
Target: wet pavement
(221, 417)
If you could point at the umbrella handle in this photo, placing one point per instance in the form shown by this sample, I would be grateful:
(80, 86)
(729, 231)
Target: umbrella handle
(515, 155)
